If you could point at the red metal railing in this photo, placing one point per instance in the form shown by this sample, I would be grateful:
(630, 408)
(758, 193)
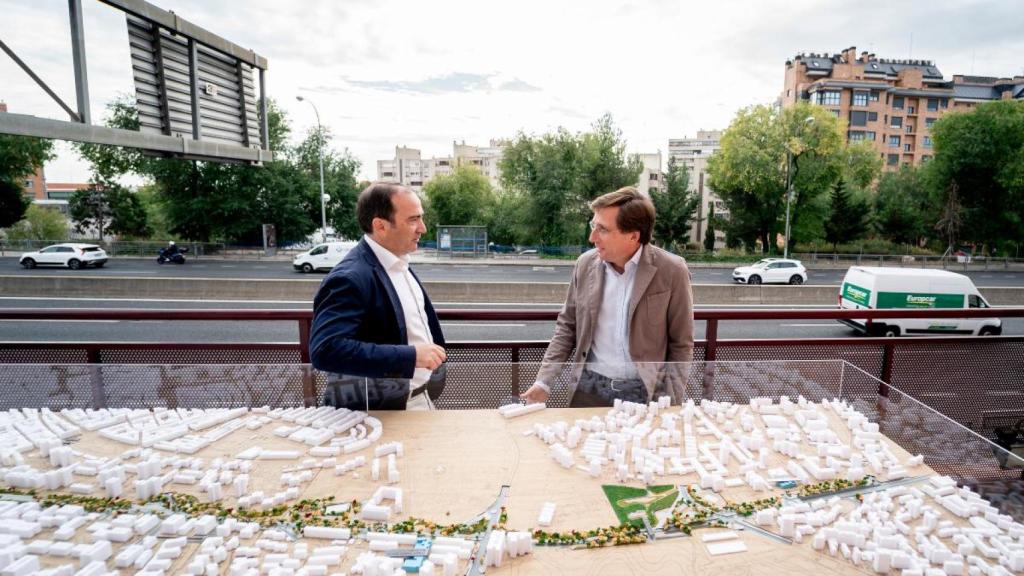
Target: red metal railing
(942, 371)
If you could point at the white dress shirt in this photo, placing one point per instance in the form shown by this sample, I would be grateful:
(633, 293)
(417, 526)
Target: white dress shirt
(609, 352)
(410, 295)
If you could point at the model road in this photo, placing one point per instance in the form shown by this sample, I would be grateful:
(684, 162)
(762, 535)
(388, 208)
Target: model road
(538, 271)
(199, 331)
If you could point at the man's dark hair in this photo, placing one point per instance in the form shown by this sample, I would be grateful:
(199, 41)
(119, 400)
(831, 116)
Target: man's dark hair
(636, 211)
(375, 202)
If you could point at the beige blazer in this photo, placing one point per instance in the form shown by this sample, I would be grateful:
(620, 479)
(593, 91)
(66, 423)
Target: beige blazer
(660, 319)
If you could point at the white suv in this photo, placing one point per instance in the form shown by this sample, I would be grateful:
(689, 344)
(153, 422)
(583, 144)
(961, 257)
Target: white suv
(73, 256)
(777, 270)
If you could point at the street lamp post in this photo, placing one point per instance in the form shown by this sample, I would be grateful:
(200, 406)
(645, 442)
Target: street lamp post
(790, 159)
(323, 195)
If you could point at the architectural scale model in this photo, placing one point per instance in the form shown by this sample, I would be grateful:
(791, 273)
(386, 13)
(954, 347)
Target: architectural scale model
(317, 491)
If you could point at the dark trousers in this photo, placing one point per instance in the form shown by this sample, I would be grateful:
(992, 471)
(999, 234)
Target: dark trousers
(358, 393)
(596, 390)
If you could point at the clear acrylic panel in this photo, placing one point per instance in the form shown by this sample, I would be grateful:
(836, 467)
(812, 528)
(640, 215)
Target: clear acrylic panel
(715, 438)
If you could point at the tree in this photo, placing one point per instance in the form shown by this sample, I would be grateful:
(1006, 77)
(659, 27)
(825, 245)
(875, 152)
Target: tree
(951, 218)
(40, 223)
(902, 211)
(558, 173)
(20, 156)
(675, 207)
(464, 198)
(749, 172)
(709, 233)
(848, 216)
(90, 209)
(982, 153)
(12, 203)
(230, 202)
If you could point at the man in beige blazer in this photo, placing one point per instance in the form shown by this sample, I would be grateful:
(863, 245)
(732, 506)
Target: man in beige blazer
(628, 310)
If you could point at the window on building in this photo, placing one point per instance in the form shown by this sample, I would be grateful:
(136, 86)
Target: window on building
(860, 98)
(909, 128)
(858, 118)
(856, 136)
(927, 142)
(897, 102)
(872, 116)
(933, 104)
(653, 177)
(829, 98)
(29, 184)
(897, 121)
(387, 174)
(835, 113)
(869, 136)
(907, 147)
(911, 110)
(874, 96)
(926, 159)
(892, 159)
(929, 122)
(894, 141)
(943, 102)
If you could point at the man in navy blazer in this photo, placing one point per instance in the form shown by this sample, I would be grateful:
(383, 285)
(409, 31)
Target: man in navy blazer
(374, 328)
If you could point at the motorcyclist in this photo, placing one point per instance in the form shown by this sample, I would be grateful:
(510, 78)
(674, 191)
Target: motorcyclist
(171, 249)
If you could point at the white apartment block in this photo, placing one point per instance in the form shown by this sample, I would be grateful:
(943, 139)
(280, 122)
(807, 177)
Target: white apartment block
(652, 178)
(693, 153)
(410, 169)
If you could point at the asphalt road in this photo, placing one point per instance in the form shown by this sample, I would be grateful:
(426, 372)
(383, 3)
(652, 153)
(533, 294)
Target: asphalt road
(199, 331)
(539, 272)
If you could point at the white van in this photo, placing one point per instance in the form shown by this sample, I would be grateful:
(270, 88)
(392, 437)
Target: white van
(867, 287)
(322, 256)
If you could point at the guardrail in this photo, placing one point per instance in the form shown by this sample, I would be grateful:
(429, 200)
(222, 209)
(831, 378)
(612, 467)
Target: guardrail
(977, 381)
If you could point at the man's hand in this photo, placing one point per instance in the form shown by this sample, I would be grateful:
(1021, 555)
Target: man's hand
(536, 394)
(429, 356)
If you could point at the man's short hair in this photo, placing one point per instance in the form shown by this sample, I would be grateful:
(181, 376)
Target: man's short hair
(375, 202)
(636, 211)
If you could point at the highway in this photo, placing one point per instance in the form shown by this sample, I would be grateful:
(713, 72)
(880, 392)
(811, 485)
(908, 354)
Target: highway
(199, 331)
(538, 271)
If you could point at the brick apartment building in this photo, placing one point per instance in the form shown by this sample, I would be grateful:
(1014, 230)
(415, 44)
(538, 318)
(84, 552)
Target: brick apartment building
(891, 103)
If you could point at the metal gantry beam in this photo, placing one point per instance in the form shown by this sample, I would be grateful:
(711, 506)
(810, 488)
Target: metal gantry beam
(198, 121)
(78, 56)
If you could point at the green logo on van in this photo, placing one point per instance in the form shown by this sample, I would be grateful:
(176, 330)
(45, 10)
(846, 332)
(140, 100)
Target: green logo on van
(856, 294)
(909, 300)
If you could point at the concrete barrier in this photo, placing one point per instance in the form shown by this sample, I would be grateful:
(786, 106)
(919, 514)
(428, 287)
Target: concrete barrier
(440, 292)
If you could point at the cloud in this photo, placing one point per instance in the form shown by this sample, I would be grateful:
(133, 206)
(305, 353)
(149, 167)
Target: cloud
(517, 85)
(453, 83)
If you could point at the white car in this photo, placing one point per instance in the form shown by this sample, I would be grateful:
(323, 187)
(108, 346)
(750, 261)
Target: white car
(322, 256)
(73, 256)
(771, 270)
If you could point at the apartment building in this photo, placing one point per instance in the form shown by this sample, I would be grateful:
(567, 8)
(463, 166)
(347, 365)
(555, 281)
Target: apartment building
(891, 103)
(693, 153)
(651, 178)
(411, 170)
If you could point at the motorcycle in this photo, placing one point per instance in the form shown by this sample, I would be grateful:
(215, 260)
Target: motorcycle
(177, 257)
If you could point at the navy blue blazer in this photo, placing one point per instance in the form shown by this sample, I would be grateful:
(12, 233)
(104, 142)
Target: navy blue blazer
(358, 322)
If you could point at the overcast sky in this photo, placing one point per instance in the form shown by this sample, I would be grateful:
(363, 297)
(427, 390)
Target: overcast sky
(423, 74)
